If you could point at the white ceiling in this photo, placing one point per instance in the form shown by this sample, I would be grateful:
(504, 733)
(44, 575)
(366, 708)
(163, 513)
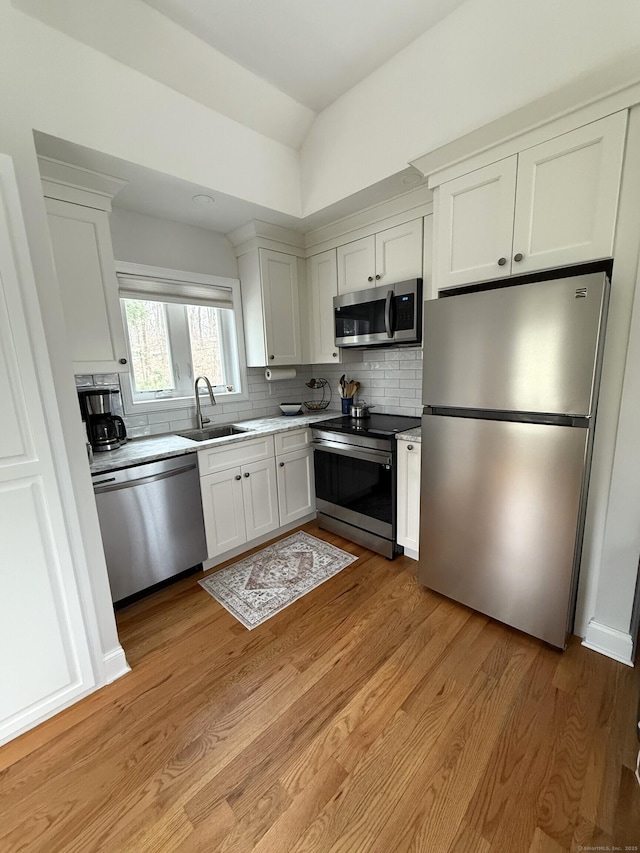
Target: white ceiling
(314, 50)
(157, 194)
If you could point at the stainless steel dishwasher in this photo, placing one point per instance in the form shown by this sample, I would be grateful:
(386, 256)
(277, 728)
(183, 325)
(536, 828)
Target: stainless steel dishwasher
(151, 522)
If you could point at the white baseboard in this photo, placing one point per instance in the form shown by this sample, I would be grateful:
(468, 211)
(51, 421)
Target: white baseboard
(610, 642)
(115, 664)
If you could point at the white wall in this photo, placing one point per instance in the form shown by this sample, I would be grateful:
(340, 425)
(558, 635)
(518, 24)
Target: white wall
(141, 239)
(61, 87)
(136, 34)
(484, 60)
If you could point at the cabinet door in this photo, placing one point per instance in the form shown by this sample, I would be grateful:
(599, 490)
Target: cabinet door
(83, 256)
(296, 492)
(567, 196)
(322, 271)
(260, 496)
(399, 253)
(223, 509)
(357, 265)
(46, 662)
(408, 506)
(279, 274)
(474, 225)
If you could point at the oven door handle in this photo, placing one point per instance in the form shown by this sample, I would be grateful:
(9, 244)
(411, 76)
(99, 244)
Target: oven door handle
(377, 456)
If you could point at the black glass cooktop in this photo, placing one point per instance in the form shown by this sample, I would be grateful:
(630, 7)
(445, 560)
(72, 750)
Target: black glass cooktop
(373, 425)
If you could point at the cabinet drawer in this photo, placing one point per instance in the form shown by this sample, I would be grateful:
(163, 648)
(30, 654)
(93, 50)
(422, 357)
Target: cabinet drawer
(296, 439)
(213, 459)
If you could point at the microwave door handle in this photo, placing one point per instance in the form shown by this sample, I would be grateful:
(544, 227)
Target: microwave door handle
(388, 321)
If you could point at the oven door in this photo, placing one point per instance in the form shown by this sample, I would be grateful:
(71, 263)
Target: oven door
(356, 485)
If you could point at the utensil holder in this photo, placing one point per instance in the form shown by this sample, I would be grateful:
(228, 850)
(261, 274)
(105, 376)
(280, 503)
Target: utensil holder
(346, 405)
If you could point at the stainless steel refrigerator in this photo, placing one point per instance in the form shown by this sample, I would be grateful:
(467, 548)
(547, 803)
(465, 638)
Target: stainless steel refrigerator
(510, 386)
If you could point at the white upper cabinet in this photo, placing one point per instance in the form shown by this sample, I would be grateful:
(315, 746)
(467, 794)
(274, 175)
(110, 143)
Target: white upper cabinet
(394, 254)
(357, 265)
(85, 267)
(567, 197)
(322, 284)
(270, 305)
(474, 225)
(550, 205)
(399, 253)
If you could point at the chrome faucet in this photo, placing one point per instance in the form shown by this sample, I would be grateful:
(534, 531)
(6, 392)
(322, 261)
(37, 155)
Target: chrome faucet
(200, 421)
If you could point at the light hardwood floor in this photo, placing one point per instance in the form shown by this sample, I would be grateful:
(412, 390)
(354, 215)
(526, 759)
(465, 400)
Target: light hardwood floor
(372, 715)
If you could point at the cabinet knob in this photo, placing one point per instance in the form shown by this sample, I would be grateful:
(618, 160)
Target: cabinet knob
(378, 277)
(238, 477)
(334, 354)
(122, 360)
(502, 262)
(518, 257)
(246, 474)
(370, 278)
(282, 464)
(272, 357)
(409, 446)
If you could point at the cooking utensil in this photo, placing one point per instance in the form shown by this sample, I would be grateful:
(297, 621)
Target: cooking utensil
(360, 410)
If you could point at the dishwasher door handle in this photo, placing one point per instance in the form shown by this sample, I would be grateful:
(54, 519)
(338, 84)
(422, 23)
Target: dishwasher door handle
(129, 484)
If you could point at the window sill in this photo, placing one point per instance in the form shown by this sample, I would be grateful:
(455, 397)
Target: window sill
(170, 404)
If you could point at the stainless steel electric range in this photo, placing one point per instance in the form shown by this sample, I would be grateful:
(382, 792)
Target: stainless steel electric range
(355, 472)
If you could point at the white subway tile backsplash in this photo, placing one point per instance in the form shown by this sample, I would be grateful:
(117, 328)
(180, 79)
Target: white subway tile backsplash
(139, 432)
(389, 379)
(84, 380)
(135, 421)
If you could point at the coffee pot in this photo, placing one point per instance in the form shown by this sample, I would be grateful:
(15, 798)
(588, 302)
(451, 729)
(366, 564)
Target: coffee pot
(105, 430)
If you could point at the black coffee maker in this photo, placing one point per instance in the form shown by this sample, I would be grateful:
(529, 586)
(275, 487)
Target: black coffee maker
(104, 430)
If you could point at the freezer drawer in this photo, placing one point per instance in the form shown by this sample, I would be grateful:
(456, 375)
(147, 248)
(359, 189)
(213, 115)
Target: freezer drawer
(500, 518)
(529, 348)
(151, 522)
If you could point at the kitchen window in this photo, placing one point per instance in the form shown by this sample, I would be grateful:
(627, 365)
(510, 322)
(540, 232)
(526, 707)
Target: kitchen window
(179, 326)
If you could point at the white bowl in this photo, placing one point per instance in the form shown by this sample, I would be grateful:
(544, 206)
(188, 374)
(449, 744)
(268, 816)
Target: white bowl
(290, 408)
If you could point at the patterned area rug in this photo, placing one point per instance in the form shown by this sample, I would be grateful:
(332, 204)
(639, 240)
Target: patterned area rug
(263, 584)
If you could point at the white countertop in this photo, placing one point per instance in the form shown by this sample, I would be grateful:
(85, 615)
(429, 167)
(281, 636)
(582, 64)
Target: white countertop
(140, 450)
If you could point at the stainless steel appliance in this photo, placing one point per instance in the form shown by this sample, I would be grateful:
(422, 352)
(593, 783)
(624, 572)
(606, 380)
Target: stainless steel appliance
(355, 476)
(511, 380)
(151, 522)
(386, 315)
(105, 430)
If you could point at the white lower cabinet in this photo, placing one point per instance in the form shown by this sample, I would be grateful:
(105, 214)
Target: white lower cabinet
(248, 501)
(239, 504)
(296, 492)
(408, 502)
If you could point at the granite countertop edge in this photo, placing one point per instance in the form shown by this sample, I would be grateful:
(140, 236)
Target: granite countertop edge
(151, 449)
(411, 435)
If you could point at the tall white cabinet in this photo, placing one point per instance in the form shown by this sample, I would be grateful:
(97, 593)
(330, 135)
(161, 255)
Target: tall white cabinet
(83, 254)
(550, 205)
(408, 496)
(270, 305)
(45, 662)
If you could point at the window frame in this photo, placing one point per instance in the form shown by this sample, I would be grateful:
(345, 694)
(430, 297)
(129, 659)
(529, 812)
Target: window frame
(173, 281)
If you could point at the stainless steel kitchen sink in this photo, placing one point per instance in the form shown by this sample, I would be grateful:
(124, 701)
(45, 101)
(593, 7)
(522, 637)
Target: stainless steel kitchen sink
(207, 433)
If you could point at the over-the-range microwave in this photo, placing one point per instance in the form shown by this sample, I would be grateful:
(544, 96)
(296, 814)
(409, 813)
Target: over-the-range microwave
(385, 315)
